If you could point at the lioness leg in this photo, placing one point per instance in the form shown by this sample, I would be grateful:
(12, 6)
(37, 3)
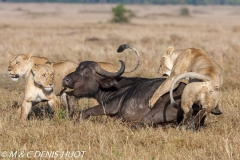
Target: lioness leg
(162, 89)
(178, 69)
(190, 95)
(199, 91)
(186, 119)
(209, 101)
(54, 102)
(25, 109)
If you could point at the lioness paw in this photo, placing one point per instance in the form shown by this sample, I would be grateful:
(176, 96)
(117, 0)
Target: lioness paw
(151, 103)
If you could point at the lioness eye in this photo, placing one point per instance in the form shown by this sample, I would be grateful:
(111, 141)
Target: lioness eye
(44, 75)
(51, 75)
(17, 63)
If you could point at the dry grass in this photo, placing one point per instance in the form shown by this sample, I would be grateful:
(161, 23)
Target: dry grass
(64, 31)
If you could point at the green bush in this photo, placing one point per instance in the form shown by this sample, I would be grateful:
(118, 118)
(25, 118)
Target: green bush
(121, 14)
(184, 12)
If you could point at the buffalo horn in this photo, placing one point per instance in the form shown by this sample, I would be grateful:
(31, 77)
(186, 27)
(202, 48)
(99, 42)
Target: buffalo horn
(103, 72)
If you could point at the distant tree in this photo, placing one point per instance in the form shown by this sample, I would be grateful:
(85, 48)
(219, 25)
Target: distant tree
(121, 14)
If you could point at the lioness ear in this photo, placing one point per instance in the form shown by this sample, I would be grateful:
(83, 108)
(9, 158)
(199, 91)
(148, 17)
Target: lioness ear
(10, 55)
(169, 50)
(35, 67)
(108, 82)
(28, 56)
(49, 63)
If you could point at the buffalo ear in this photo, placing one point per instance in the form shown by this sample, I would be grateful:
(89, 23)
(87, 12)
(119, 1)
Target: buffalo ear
(108, 82)
(168, 51)
(49, 63)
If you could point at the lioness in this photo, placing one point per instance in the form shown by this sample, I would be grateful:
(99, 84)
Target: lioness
(191, 63)
(39, 88)
(21, 65)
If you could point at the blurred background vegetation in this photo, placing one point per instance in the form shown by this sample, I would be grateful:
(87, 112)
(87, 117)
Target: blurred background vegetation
(121, 14)
(192, 2)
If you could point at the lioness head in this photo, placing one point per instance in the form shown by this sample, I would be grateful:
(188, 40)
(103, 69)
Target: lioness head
(19, 65)
(43, 75)
(166, 63)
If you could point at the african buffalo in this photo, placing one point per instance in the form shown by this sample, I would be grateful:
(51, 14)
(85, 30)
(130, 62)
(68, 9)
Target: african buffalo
(122, 97)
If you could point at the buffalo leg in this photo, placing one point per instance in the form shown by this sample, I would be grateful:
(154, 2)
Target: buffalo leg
(163, 111)
(99, 110)
(160, 115)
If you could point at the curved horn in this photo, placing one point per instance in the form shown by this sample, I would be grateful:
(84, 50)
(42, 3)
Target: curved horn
(101, 71)
(122, 47)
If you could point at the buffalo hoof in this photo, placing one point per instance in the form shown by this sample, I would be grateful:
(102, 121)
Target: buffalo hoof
(216, 111)
(192, 126)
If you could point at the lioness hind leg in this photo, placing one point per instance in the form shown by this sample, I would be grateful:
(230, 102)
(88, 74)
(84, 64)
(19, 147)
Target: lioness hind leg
(209, 102)
(187, 117)
(208, 98)
(190, 95)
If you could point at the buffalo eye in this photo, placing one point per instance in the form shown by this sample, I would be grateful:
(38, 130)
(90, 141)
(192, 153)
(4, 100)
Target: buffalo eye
(86, 72)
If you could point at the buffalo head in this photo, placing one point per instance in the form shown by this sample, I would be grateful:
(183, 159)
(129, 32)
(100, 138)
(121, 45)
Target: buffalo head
(88, 77)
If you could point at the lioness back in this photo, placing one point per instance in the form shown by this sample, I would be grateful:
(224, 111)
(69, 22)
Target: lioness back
(61, 69)
(204, 64)
(39, 60)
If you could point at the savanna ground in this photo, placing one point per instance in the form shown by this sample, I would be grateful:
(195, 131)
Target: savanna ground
(83, 32)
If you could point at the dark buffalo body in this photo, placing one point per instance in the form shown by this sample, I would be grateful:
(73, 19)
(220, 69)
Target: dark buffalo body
(130, 101)
(122, 97)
